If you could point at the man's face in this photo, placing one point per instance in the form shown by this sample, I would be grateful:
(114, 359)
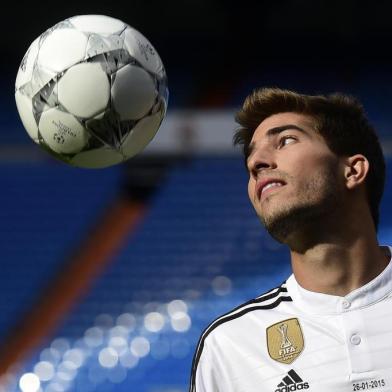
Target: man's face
(293, 175)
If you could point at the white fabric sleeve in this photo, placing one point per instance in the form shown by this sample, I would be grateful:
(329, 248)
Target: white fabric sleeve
(204, 374)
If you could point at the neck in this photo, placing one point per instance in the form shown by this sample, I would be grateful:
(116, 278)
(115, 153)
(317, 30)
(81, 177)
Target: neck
(341, 263)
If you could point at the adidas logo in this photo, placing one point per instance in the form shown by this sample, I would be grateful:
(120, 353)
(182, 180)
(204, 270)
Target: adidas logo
(292, 382)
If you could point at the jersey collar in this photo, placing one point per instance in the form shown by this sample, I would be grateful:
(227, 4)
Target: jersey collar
(319, 303)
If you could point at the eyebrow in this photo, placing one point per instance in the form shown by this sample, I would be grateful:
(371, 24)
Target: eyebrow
(272, 132)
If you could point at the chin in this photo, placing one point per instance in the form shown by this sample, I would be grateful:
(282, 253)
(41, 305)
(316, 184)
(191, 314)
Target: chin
(294, 221)
(307, 211)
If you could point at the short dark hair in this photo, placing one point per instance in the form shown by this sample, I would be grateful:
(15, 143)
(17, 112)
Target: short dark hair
(339, 118)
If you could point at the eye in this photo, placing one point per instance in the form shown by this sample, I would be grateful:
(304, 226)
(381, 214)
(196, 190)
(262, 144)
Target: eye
(283, 139)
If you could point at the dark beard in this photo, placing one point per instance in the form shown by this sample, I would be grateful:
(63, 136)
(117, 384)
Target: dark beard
(298, 219)
(307, 217)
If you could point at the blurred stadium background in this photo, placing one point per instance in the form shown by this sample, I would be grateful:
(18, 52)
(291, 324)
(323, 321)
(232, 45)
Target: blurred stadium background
(108, 277)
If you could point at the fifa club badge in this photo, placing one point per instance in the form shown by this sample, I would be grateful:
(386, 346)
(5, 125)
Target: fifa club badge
(285, 341)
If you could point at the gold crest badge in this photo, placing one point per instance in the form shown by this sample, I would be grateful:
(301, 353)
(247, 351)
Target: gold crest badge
(285, 340)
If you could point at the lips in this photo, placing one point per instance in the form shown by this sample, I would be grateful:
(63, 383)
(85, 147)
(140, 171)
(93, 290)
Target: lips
(267, 184)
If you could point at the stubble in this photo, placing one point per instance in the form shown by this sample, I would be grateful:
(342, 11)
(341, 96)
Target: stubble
(317, 201)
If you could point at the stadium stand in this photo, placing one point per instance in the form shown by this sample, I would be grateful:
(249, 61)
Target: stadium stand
(46, 210)
(199, 252)
(194, 257)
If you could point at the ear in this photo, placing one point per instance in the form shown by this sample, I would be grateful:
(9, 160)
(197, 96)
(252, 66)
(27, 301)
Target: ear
(355, 170)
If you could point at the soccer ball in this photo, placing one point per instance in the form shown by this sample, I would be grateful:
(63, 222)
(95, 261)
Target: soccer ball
(92, 91)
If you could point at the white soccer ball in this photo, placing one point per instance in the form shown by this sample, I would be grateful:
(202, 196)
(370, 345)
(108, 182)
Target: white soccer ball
(92, 91)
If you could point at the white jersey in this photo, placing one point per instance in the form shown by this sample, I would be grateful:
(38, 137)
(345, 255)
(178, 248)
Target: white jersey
(292, 339)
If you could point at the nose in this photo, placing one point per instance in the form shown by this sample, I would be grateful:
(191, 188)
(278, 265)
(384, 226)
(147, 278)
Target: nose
(258, 163)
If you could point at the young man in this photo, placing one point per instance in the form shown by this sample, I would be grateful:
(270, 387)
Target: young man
(316, 178)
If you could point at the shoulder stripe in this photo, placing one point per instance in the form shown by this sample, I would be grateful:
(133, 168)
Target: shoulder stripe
(272, 293)
(269, 296)
(271, 299)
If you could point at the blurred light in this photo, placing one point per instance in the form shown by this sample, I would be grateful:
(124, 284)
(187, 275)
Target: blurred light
(50, 355)
(56, 387)
(180, 322)
(60, 344)
(95, 374)
(81, 345)
(177, 306)
(180, 348)
(119, 331)
(29, 382)
(44, 370)
(108, 357)
(154, 322)
(93, 337)
(161, 349)
(140, 347)
(104, 321)
(151, 307)
(221, 285)
(74, 356)
(162, 308)
(151, 337)
(127, 320)
(119, 344)
(129, 360)
(117, 374)
(66, 371)
(192, 294)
